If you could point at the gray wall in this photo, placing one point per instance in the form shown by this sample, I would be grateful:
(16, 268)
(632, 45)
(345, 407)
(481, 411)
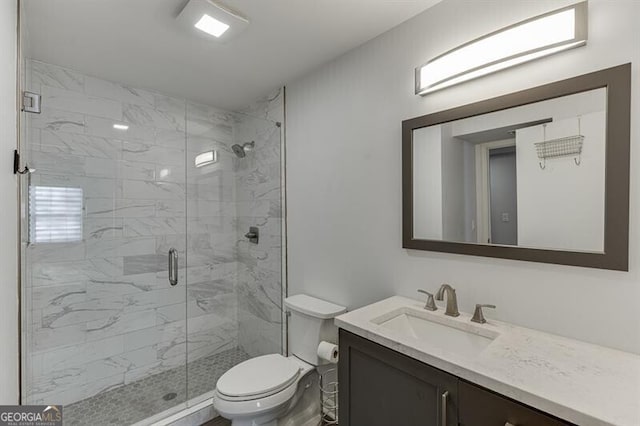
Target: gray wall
(344, 175)
(504, 198)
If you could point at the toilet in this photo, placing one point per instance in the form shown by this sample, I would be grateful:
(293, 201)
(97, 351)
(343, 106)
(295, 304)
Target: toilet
(274, 390)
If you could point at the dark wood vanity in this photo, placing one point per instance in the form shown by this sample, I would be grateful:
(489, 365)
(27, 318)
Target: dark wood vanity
(382, 387)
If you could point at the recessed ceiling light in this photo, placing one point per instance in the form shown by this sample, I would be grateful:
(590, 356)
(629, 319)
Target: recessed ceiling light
(212, 20)
(211, 26)
(121, 126)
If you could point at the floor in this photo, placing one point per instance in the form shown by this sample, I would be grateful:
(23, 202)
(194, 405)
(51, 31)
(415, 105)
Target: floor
(143, 398)
(218, 421)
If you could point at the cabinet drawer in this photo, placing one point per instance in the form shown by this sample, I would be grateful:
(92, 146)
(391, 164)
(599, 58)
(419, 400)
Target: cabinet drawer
(481, 407)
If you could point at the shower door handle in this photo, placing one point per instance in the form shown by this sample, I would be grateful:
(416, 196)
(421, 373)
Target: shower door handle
(173, 266)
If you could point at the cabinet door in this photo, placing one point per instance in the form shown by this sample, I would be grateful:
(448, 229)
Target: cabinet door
(481, 407)
(381, 387)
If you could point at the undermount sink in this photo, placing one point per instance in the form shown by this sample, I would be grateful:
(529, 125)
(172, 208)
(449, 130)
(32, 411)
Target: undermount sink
(450, 334)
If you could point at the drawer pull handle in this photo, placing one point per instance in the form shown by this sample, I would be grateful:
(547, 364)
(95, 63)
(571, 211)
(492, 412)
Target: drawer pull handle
(509, 424)
(443, 408)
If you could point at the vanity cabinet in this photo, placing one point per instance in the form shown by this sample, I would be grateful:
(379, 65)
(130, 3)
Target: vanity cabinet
(480, 407)
(382, 387)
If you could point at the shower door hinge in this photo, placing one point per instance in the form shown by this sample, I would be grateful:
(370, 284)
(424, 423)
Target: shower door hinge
(16, 165)
(31, 102)
(16, 162)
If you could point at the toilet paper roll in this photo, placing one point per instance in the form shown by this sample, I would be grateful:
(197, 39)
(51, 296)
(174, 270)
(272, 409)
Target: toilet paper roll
(328, 352)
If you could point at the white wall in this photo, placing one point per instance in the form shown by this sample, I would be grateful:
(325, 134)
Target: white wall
(453, 197)
(8, 213)
(427, 191)
(562, 206)
(344, 175)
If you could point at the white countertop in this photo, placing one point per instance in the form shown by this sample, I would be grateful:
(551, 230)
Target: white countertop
(576, 381)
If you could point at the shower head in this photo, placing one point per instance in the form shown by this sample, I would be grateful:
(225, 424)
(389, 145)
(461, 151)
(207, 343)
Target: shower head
(238, 151)
(241, 150)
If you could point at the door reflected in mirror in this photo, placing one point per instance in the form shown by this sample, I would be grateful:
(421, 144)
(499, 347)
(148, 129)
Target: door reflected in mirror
(530, 176)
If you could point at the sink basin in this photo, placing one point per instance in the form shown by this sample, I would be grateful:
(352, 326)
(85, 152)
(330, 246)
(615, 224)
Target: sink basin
(449, 334)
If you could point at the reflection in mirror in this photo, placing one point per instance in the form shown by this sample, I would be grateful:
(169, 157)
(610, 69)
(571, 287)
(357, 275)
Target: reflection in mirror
(530, 176)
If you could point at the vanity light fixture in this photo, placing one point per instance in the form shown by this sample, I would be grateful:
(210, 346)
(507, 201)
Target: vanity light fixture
(206, 158)
(211, 19)
(534, 38)
(121, 126)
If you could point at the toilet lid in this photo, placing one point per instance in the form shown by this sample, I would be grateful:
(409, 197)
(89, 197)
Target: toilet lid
(262, 375)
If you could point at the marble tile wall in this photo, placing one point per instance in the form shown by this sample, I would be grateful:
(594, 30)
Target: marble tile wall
(259, 203)
(100, 312)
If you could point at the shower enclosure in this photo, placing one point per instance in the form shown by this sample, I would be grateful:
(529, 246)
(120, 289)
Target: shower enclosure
(139, 287)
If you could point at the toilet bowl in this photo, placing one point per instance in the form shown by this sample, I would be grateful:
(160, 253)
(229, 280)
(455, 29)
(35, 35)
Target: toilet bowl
(273, 390)
(262, 390)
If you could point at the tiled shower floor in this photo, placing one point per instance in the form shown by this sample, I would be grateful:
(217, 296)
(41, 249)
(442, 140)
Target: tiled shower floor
(144, 398)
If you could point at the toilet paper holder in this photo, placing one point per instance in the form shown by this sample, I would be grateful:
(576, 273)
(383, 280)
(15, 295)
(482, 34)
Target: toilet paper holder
(328, 384)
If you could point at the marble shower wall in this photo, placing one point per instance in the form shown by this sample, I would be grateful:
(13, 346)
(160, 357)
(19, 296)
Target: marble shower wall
(100, 312)
(259, 203)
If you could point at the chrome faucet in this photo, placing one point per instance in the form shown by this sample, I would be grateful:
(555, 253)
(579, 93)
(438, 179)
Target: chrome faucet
(452, 300)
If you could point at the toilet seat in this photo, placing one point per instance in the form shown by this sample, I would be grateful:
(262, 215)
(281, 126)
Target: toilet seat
(268, 404)
(258, 378)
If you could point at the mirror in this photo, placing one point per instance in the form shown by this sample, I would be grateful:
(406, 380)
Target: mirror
(536, 175)
(530, 176)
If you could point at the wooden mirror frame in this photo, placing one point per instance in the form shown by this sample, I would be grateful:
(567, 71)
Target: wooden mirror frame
(617, 81)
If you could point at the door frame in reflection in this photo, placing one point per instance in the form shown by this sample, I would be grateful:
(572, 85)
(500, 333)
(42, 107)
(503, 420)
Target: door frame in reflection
(483, 190)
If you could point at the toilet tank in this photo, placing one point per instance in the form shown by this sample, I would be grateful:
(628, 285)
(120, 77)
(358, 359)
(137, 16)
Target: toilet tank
(310, 323)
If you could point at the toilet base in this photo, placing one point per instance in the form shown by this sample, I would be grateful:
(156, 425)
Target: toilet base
(253, 423)
(306, 412)
(304, 408)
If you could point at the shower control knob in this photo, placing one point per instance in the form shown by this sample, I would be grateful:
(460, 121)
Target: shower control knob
(253, 235)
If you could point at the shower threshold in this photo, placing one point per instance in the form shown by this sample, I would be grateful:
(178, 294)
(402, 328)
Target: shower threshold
(144, 398)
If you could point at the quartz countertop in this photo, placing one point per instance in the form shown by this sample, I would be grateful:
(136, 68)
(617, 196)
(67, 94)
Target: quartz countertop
(582, 383)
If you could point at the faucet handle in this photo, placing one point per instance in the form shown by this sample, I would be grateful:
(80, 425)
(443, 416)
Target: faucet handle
(431, 304)
(478, 316)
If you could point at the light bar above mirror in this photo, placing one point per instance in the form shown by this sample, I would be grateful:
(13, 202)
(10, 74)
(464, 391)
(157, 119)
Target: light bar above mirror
(525, 41)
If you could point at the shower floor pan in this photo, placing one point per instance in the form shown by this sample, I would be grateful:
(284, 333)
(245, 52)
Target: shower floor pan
(146, 397)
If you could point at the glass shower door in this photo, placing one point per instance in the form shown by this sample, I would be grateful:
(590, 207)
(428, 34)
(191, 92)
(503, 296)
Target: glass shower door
(234, 284)
(211, 244)
(104, 327)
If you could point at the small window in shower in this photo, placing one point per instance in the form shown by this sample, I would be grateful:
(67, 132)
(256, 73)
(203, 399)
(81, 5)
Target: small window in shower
(55, 214)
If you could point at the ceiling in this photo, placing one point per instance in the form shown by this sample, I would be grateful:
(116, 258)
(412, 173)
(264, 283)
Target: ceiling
(139, 42)
(500, 133)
